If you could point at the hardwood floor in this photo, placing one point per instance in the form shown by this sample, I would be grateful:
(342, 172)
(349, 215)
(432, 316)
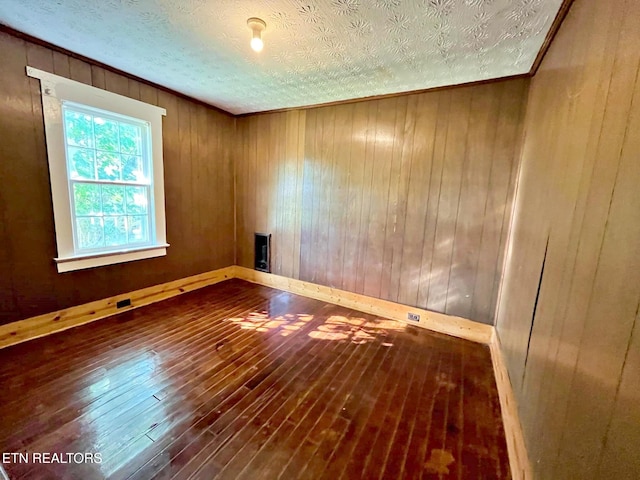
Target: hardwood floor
(238, 381)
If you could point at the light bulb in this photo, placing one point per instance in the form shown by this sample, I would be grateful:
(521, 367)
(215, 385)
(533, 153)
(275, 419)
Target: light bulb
(257, 26)
(257, 44)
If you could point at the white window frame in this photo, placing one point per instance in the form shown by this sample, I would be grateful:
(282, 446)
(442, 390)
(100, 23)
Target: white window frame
(55, 90)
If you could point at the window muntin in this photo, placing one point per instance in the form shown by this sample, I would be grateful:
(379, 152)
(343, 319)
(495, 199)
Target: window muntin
(109, 170)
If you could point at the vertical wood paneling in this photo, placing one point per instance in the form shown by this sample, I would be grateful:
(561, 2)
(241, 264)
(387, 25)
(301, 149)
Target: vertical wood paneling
(197, 170)
(241, 188)
(435, 295)
(570, 348)
(401, 198)
(134, 89)
(183, 170)
(369, 150)
(470, 220)
(290, 199)
(172, 194)
(148, 94)
(198, 194)
(269, 196)
(277, 213)
(353, 205)
(80, 71)
(113, 82)
(325, 191)
(97, 76)
(306, 198)
(252, 193)
(268, 167)
(496, 218)
(619, 457)
(418, 198)
(340, 178)
(392, 239)
(380, 181)
(25, 181)
(298, 192)
(313, 173)
(399, 219)
(61, 64)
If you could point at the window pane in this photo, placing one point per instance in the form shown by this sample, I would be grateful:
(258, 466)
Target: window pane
(81, 163)
(132, 169)
(130, 139)
(78, 128)
(137, 199)
(106, 134)
(113, 199)
(115, 231)
(108, 166)
(90, 232)
(138, 229)
(87, 199)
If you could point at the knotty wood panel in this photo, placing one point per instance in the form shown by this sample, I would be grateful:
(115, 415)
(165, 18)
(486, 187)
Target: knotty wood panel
(568, 311)
(198, 186)
(404, 198)
(275, 386)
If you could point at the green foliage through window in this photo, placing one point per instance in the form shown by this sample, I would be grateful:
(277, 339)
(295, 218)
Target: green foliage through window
(102, 150)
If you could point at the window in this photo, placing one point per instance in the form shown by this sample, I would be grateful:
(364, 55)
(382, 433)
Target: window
(105, 164)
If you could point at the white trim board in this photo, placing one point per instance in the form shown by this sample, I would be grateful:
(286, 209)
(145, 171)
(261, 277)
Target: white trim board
(56, 92)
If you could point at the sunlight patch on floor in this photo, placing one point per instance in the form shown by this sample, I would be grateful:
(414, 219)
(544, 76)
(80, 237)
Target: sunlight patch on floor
(355, 330)
(262, 322)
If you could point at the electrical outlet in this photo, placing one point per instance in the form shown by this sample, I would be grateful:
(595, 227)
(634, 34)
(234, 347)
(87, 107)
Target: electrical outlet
(414, 317)
(123, 303)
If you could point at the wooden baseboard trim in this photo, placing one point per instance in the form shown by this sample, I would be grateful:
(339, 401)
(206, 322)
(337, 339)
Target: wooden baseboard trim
(35, 327)
(518, 457)
(437, 322)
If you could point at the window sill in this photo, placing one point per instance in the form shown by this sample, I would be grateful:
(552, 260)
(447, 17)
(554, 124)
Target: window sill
(80, 262)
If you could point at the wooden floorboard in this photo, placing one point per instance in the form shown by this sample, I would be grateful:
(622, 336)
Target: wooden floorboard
(241, 381)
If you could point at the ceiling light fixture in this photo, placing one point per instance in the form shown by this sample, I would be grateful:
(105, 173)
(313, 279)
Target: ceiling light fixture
(257, 26)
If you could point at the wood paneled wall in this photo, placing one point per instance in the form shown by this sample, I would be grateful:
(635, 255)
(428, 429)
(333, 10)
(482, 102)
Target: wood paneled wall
(405, 198)
(568, 315)
(198, 142)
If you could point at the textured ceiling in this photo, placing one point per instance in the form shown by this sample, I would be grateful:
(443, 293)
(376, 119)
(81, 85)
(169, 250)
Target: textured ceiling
(315, 51)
